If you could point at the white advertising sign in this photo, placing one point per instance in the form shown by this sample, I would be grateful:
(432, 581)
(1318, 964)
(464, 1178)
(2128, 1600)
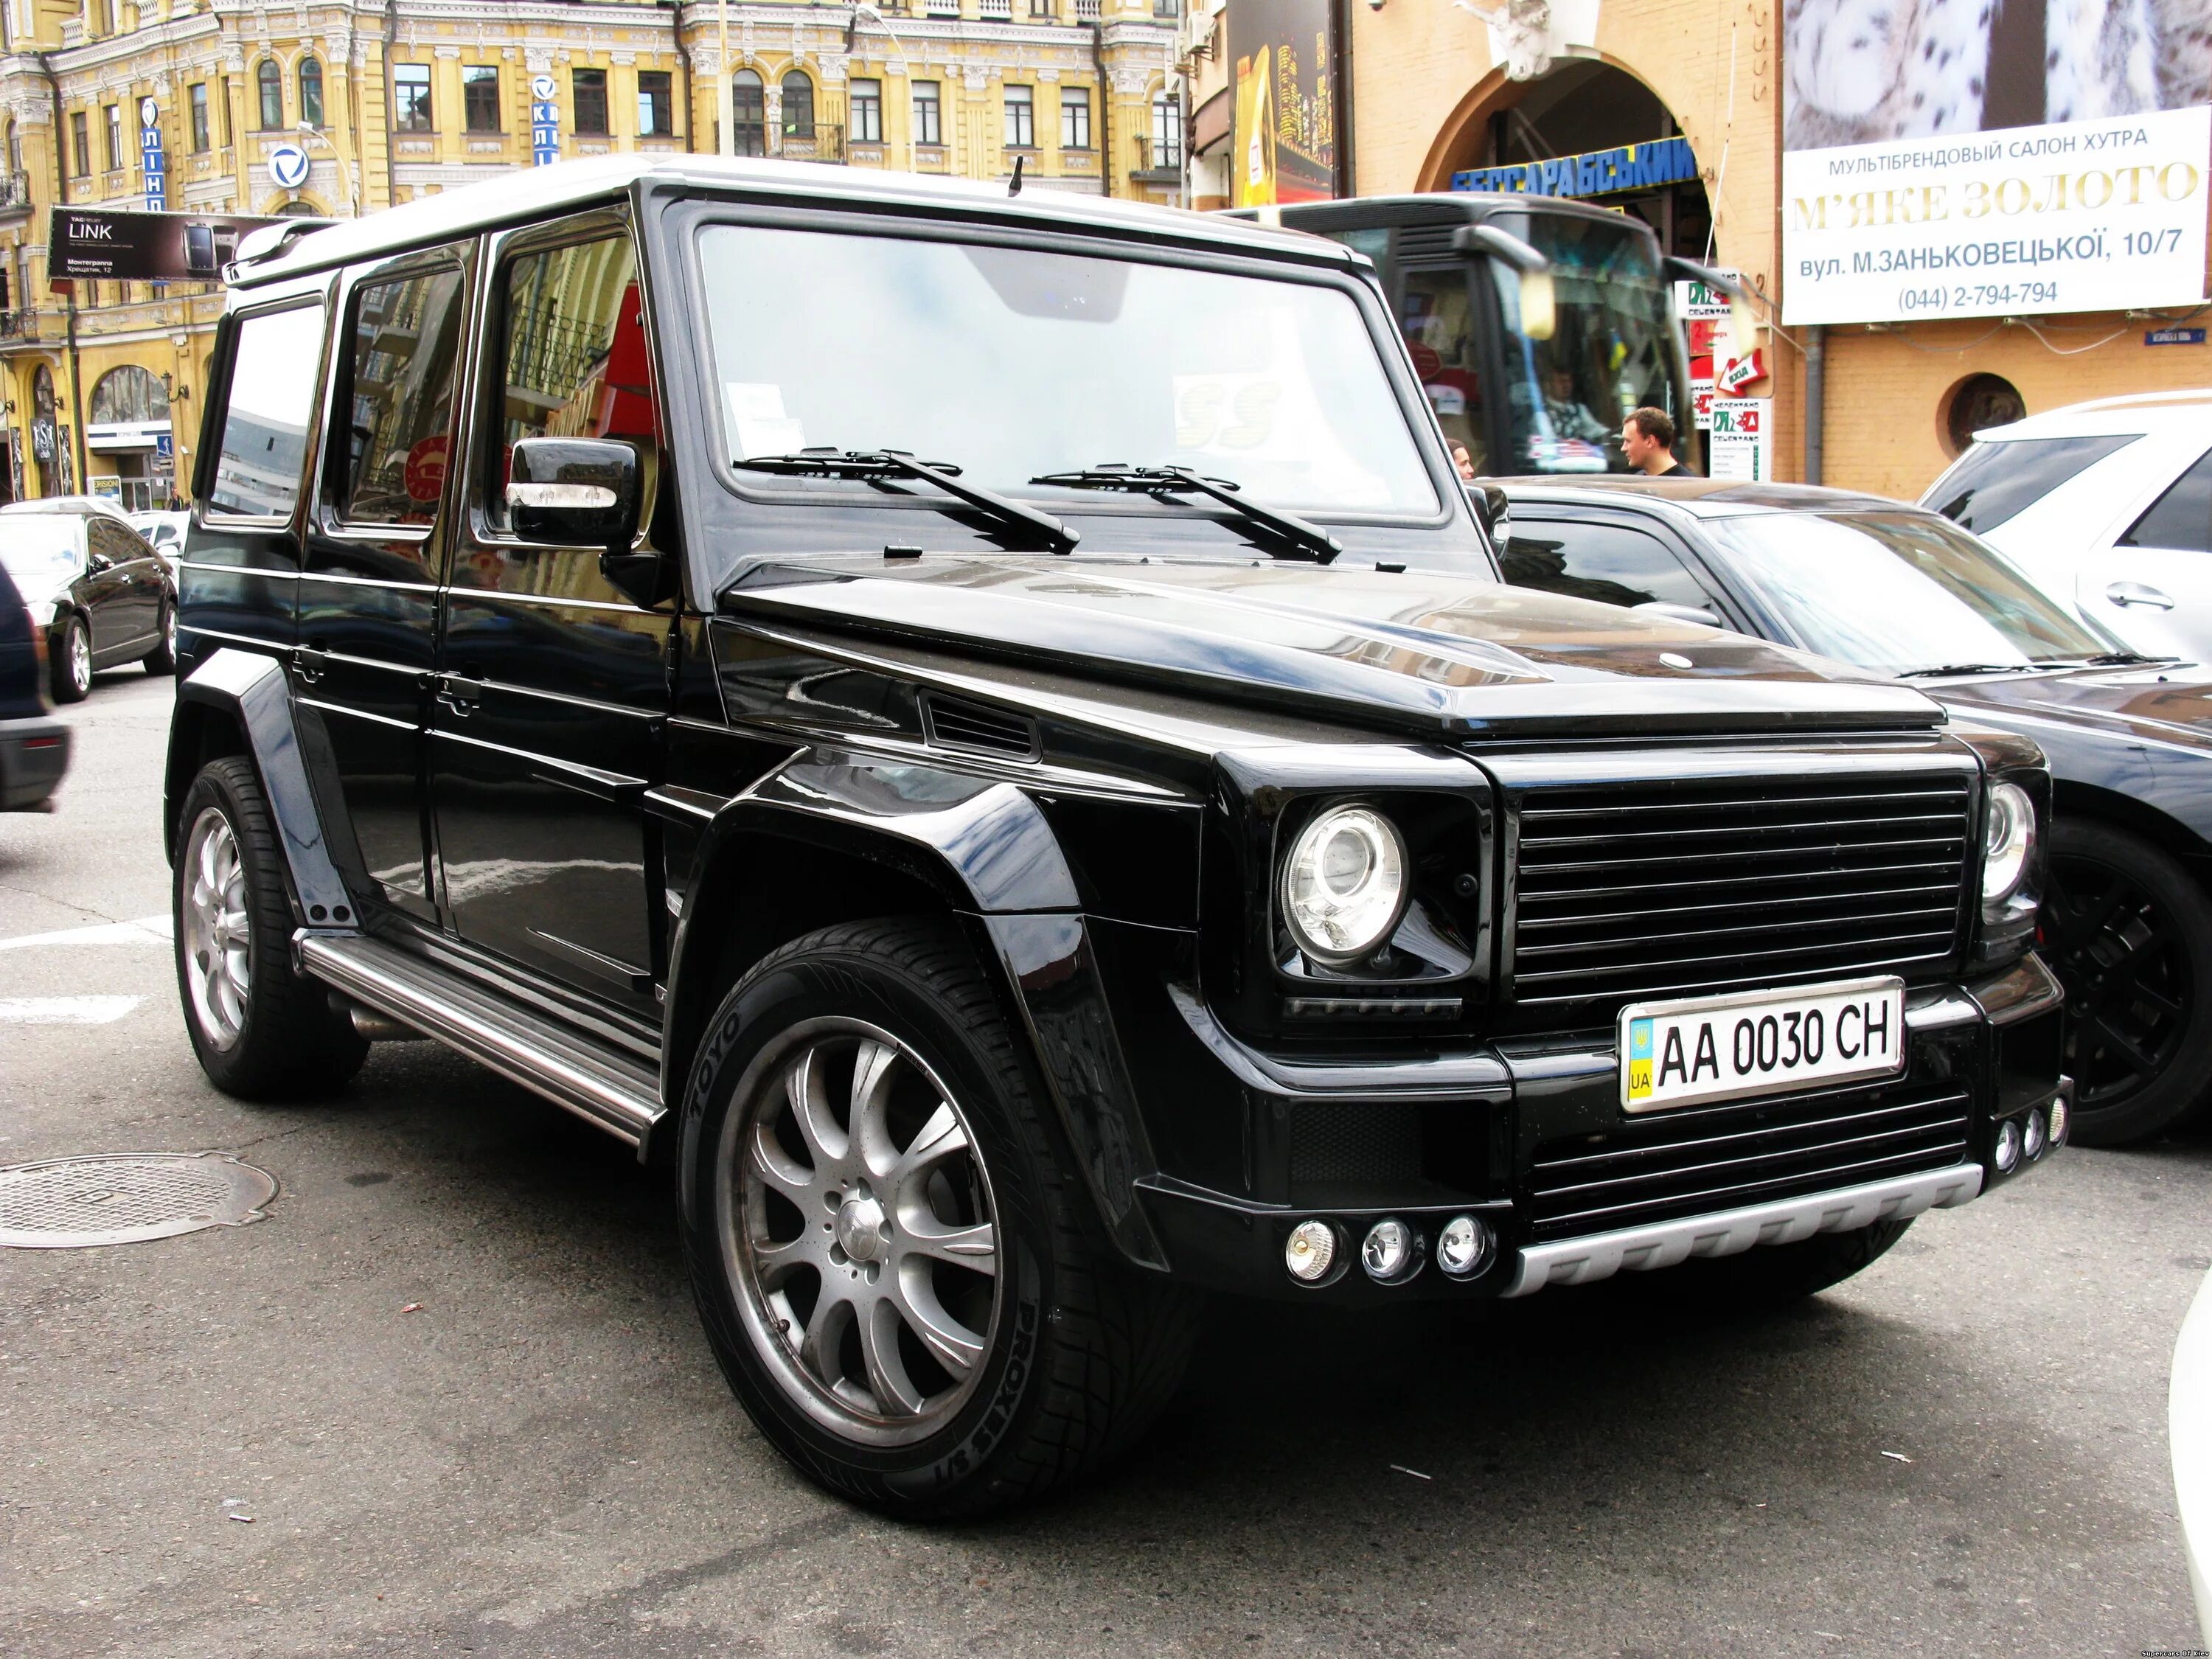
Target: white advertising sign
(1741, 443)
(2090, 215)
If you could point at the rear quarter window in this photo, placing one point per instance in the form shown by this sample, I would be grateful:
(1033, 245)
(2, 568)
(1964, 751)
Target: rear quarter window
(2181, 519)
(1995, 482)
(268, 406)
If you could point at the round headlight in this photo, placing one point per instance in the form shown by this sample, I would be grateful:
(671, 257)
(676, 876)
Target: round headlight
(2007, 839)
(1463, 1246)
(1391, 1252)
(1344, 883)
(2006, 1154)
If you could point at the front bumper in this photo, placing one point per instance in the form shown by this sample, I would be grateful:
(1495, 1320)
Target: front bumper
(34, 753)
(1528, 1137)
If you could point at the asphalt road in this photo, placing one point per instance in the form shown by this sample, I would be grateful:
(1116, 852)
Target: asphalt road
(542, 1460)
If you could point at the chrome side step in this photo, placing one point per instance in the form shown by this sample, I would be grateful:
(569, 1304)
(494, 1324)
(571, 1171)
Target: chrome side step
(615, 1090)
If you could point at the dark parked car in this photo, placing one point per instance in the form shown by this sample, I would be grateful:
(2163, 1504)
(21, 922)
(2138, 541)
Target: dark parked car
(34, 746)
(101, 593)
(1900, 591)
(980, 730)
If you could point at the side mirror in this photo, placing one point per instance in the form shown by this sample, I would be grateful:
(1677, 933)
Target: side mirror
(1684, 613)
(1494, 510)
(585, 492)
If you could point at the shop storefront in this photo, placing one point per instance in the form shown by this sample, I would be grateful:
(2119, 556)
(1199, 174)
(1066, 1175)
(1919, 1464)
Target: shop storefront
(129, 444)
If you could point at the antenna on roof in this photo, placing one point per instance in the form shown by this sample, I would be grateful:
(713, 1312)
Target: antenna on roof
(1014, 187)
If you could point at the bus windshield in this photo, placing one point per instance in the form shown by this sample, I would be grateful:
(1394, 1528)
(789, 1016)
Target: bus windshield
(1612, 348)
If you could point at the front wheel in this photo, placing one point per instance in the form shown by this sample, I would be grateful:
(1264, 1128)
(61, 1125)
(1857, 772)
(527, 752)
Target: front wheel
(887, 1253)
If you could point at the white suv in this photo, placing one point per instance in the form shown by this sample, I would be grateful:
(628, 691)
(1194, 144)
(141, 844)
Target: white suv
(2109, 506)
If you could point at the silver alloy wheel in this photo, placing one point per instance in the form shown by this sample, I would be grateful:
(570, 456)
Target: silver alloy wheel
(216, 929)
(80, 659)
(169, 631)
(859, 1230)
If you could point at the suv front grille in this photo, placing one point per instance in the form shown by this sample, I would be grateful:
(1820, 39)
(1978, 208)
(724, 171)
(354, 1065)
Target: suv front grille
(1682, 888)
(1695, 1163)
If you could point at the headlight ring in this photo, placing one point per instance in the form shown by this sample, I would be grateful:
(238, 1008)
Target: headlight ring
(2007, 840)
(1344, 884)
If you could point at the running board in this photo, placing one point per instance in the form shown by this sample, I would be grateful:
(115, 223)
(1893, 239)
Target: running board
(615, 1090)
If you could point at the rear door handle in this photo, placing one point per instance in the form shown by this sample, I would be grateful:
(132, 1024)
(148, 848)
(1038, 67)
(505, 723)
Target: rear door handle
(2143, 593)
(310, 665)
(460, 693)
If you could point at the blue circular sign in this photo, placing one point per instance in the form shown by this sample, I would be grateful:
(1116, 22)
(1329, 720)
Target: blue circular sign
(288, 165)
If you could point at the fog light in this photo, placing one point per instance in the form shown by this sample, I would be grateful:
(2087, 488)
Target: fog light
(1463, 1247)
(1392, 1252)
(2006, 1156)
(1311, 1251)
(2058, 1120)
(2034, 1140)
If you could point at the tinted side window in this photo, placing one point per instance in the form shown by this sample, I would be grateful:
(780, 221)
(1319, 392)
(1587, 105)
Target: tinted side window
(267, 406)
(2182, 517)
(112, 542)
(405, 335)
(1996, 481)
(1438, 319)
(1607, 562)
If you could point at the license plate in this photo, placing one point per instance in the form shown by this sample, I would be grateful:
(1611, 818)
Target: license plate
(1759, 1042)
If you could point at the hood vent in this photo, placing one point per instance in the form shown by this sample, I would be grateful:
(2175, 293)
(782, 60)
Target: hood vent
(956, 723)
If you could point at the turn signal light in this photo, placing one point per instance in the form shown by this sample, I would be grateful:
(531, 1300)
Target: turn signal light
(2059, 1116)
(1311, 1251)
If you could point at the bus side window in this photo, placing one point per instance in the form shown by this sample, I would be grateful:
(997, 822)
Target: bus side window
(1438, 324)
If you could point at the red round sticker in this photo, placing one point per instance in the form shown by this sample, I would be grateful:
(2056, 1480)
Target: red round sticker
(426, 470)
(1426, 363)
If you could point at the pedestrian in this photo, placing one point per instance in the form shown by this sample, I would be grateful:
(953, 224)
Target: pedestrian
(1647, 441)
(1462, 460)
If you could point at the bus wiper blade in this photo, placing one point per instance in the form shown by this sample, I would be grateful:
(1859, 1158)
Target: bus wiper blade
(1309, 540)
(1939, 671)
(826, 462)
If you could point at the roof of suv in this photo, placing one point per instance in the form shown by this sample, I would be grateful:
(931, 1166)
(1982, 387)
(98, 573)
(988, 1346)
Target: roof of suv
(534, 192)
(2141, 412)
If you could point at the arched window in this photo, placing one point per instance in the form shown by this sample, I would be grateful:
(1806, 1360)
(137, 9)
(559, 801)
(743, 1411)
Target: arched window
(749, 110)
(270, 80)
(129, 394)
(798, 106)
(311, 92)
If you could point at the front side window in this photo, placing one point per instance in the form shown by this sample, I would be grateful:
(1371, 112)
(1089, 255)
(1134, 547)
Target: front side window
(266, 409)
(926, 127)
(81, 144)
(588, 93)
(1276, 385)
(1994, 481)
(311, 92)
(269, 80)
(200, 103)
(749, 109)
(798, 106)
(410, 98)
(405, 335)
(480, 99)
(1610, 564)
(1075, 118)
(655, 105)
(114, 137)
(866, 100)
(2181, 519)
(1021, 118)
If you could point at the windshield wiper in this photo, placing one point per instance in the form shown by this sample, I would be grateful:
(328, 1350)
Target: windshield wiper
(1297, 538)
(2119, 659)
(827, 462)
(1939, 671)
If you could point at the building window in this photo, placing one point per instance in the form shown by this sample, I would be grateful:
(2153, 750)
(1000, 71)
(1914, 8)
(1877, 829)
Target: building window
(114, 137)
(222, 103)
(81, 144)
(1021, 118)
(927, 127)
(311, 92)
(867, 112)
(480, 99)
(656, 105)
(199, 97)
(1167, 132)
(270, 80)
(588, 89)
(410, 98)
(1044, 8)
(798, 106)
(749, 109)
(1075, 118)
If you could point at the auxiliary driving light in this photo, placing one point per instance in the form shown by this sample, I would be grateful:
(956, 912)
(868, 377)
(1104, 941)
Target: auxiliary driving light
(1391, 1252)
(1311, 1251)
(2007, 1154)
(1464, 1246)
(2058, 1121)
(2036, 1139)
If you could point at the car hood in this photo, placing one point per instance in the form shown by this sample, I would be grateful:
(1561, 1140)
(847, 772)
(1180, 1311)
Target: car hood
(2167, 703)
(1414, 650)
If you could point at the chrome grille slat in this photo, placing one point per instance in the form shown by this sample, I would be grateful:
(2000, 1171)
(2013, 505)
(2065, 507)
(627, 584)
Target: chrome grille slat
(1940, 914)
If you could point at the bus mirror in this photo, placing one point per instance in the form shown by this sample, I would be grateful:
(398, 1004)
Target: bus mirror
(1539, 317)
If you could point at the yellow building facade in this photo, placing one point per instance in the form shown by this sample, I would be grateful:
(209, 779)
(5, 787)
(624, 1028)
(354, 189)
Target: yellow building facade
(100, 388)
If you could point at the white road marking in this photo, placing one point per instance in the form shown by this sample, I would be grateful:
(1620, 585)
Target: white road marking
(145, 930)
(65, 1011)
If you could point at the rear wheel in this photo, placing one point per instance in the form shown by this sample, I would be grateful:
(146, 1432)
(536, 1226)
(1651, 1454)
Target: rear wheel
(887, 1252)
(162, 659)
(72, 661)
(260, 1030)
(2129, 934)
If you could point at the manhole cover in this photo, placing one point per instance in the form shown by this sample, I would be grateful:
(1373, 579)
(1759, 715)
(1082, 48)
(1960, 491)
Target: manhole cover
(122, 1198)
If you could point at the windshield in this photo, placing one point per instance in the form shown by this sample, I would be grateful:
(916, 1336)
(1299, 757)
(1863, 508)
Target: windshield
(1612, 349)
(1896, 591)
(1010, 363)
(1993, 482)
(40, 553)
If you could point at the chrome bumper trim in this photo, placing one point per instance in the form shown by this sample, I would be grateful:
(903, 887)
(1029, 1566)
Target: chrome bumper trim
(1784, 1221)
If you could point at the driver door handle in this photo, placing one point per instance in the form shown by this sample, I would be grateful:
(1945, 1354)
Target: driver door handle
(460, 693)
(309, 663)
(2125, 594)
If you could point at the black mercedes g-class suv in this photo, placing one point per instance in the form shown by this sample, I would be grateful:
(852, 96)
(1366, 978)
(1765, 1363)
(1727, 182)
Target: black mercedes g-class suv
(977, 730)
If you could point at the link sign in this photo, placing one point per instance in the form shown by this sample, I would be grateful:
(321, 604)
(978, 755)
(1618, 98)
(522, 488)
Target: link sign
(544, 121)
(153, 161)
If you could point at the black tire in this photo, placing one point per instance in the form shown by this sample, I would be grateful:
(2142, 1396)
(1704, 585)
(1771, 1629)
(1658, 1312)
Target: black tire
(2130, 935)
(162, 659)
(1771, 1276)
(68, 660)
(1080, 1354)
(285, 1039)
